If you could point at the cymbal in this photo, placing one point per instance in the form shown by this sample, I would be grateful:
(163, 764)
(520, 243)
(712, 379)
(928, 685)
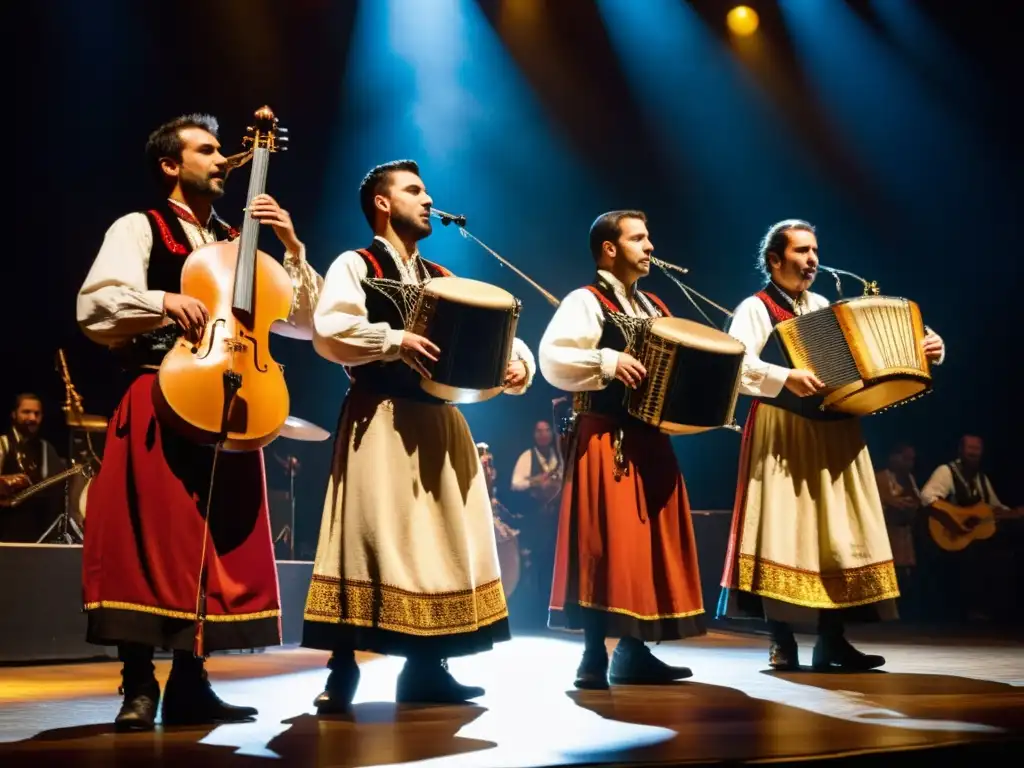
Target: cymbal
(299, 429)
(87, 421)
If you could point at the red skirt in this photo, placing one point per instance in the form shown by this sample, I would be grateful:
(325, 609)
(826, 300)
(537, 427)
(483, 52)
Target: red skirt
(144, 535)
(625, 545)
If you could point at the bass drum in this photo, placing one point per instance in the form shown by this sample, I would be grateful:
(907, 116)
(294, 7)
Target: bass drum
(508, 557)
(78, 494)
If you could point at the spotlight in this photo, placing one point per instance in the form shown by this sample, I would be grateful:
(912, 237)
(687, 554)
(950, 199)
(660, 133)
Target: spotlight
(742, 20)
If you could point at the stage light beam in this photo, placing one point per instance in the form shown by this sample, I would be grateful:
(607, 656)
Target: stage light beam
(742, 20)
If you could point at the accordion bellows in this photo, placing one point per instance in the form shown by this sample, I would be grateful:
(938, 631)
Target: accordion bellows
(866, 350)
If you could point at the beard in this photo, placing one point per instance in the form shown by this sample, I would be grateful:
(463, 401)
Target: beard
(411, 227)
(207, 186)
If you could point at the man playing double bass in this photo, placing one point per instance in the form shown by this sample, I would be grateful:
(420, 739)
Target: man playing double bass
(406, 564)
(146, 508)
(626, 557)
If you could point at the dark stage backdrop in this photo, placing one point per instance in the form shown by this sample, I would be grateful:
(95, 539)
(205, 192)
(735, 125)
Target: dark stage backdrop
(540, 130)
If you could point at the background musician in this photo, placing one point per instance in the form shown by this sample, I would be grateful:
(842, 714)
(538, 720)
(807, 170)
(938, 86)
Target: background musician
(407, 514)
(985, 576)
(536, 485)
(626, 559)
(901, 504)
(808, 527)
(26, 459)
(148, 505)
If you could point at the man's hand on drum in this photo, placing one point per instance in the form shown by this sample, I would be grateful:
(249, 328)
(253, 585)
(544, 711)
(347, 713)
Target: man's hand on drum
(803, 383)
(414, 345)
(515, 374)
(629, 371)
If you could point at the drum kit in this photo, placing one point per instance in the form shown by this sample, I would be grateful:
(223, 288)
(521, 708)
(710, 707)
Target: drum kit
(87, 434)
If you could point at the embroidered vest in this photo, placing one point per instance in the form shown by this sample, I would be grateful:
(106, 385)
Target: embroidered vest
(613, 399)
(780, 308)
(166, 257)
(965, 494)
(393, 378)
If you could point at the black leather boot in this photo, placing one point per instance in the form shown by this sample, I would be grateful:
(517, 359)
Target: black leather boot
(634, 664)
(783, 653)
(834, 652)
(428, 681)
(592, 673)
(189, 698)
(341, 685)
(140, 688)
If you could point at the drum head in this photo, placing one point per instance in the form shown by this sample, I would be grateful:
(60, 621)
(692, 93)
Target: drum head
(472, 292)
(697, 335)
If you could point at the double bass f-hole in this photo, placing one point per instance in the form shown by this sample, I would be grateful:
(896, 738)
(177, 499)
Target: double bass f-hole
(234, 345)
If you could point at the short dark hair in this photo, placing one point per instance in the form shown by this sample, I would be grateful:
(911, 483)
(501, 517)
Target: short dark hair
(27, 396)
(166, 141)
(377, 182)
(776, 239)
(608, 226)
(901, 448)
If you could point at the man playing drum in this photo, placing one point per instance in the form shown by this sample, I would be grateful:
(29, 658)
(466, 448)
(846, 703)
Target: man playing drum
(808, 542)
(626, 559)
(406, 563)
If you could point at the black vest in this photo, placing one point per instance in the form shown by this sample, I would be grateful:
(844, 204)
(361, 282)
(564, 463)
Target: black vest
(780, 307)
(964, 495)
(613, 399)
(393, 378)
(167, 256)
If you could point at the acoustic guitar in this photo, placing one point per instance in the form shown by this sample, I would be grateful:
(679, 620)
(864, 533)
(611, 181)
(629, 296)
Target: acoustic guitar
(954, 527)
(17, 498)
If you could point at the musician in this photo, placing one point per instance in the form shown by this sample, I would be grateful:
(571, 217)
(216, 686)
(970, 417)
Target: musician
(962, 481)
(536, 485)
(406, 563)
(27, 459)
(809, 542)
(973, 582)
(901, 505)
(626, 559)
(147, 504)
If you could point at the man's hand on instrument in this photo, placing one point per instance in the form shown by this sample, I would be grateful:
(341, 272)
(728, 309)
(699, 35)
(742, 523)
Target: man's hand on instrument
(515, 374)
(414, 345)
(629, 371)
(12, 483)
(803, 383)
(190, 314)
(933, 346)
(266, 210)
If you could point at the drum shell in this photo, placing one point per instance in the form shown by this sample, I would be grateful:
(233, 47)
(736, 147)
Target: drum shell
(687, 389)
(475, 344)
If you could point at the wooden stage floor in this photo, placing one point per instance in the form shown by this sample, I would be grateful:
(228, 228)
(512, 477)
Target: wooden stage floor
(966, 697)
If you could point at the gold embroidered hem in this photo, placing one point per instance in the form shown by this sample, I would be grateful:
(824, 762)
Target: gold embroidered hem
(632, 614)
(189, 615)
(364, 604)
(845, 589)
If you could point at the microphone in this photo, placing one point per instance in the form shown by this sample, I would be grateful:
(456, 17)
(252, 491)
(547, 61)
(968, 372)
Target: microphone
(666, 265)
(558, 400)
(448, 218)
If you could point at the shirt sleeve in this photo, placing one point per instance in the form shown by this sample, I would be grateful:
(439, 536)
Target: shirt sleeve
(342, 332)
(114, 302)
(569, 356)
(521, 473)
(939, 486)
(752, 326)
(306, 288)
(522, 352)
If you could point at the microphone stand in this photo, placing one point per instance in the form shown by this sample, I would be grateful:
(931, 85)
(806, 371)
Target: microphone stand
(460, 222)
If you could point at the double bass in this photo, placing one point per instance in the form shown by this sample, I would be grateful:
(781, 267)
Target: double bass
(226, 388)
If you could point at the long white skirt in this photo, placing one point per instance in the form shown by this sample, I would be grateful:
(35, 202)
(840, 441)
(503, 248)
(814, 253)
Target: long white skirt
(808, 527)
(406, 561)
